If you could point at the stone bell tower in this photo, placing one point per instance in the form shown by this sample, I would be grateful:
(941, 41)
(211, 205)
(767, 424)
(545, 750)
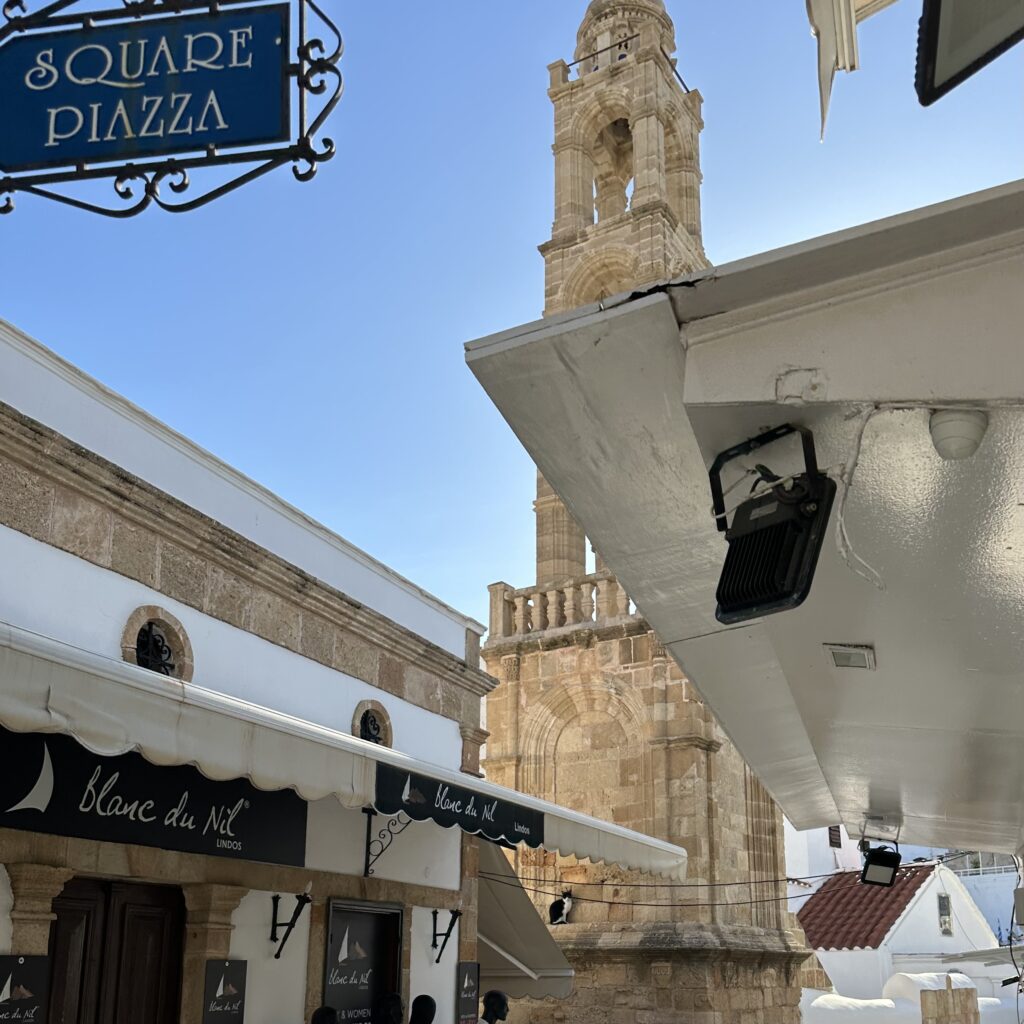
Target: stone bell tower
(627, 159)
(590, 712)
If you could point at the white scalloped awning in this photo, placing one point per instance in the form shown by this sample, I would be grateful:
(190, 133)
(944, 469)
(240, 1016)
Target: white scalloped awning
(111, 708)
(517, 953)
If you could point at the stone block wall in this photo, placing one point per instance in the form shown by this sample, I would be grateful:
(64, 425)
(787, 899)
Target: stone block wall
(56, 492)
(659, 985)
(950, 1005)
(602, 721)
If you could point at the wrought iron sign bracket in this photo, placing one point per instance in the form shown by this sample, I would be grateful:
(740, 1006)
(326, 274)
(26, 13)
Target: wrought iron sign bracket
(302, 900)
(313, 79)
(444, 936)
(376, 847)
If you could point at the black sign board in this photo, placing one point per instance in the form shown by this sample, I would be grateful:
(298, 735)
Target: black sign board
(53, 784)
(957, 38)
(364, 953)
(224, 995)
(426, 799)
(24, 987)
(468, 994)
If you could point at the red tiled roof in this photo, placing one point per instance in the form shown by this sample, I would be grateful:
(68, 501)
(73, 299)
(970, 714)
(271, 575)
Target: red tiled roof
(845, 914)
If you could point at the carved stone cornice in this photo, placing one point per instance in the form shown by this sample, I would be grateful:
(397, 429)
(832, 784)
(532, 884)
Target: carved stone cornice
(697, 942)
(579, 635)
(59, 461)
(695, 740)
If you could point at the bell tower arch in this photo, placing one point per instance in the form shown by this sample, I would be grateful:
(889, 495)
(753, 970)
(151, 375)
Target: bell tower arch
(627, 192)
(627, 159)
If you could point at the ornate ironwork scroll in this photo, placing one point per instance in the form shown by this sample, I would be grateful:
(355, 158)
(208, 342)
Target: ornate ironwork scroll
(168, 182)
(376, 848)
(152, 650)
(370, 728)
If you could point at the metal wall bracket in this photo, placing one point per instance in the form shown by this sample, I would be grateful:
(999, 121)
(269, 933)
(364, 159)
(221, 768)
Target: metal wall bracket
(302, 900)
(444, 936)
(138, 184)
(375, 848)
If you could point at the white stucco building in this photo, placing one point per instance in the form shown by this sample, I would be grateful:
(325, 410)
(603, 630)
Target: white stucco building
(239, 758)
(864, 935)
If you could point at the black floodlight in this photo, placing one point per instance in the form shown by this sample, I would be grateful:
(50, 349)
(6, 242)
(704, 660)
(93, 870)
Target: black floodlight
(880, 866)
(775, 536)
(959, 37)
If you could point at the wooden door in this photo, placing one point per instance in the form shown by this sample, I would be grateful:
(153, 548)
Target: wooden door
(116, 951)
(76, 952)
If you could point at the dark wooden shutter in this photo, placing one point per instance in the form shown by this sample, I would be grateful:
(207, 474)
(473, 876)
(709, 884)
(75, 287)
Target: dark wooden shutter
(76, 952)
(116, 953)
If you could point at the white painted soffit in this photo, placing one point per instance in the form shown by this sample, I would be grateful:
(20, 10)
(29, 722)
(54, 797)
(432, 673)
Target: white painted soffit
(518, 955)
(624, 407)
(112, 708)
(39, 384)
(834, 25)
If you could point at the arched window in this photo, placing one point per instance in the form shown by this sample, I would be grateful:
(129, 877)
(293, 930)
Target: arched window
(372, 723)
(612, 154)
(155, 640)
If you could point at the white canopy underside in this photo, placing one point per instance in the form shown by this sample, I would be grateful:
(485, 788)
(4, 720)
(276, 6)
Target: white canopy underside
(517, 954)
(112, 708)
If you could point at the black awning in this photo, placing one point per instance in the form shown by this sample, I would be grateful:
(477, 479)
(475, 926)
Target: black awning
(425, 799)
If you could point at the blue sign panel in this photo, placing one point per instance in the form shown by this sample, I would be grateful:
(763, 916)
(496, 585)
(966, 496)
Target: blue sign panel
(146, 88)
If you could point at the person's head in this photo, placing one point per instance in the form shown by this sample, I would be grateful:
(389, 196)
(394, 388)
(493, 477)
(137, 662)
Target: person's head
(495, 1005)
(423, 1010)
(389, 1009)
(325, 1015)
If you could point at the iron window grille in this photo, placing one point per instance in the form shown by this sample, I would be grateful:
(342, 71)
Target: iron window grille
(152, 650)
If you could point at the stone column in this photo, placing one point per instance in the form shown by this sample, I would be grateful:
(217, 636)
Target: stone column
(207, 937)
(34, 888)
(317, 954)
(561, 547)
(472, 740)
(650, 185)
(470, 853)
(574, 190)
(500, 617)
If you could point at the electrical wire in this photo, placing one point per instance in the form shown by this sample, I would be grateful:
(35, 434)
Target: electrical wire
(850, 557)
(514, 883)
(712, 885)
(679, 885)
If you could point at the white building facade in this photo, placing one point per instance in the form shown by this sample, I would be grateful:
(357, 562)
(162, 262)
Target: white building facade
(239, 758)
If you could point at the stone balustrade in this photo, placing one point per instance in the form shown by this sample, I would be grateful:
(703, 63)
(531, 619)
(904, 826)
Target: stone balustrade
(592, 599)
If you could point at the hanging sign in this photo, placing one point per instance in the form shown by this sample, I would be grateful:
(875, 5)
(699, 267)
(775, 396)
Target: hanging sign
(145, 88)
(423, 799)
(24, 987)
(224, 995)
(53, 784)
(145, 93)
(467, 995)
(363, 959)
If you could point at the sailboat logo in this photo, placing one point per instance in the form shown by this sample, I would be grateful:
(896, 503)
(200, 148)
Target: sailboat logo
(410, 795)
(15, 994)
(343, 952)
(225, 989)
(468, 985)
(41, 793)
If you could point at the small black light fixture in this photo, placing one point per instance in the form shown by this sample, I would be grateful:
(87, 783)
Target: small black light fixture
(881, 863)
(776, 534)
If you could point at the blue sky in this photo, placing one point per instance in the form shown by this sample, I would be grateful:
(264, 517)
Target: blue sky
(311, 335)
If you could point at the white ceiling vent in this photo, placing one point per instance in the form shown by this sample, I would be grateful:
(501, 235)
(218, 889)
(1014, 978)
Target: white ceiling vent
(852, 655)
